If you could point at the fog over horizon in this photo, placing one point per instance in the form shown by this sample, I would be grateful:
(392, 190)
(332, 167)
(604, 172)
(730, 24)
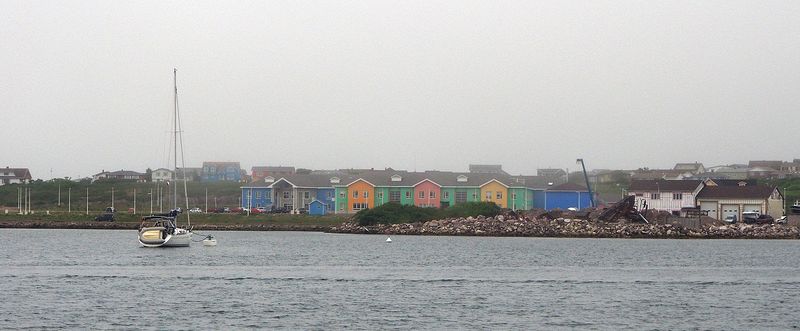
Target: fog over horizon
(87, 85)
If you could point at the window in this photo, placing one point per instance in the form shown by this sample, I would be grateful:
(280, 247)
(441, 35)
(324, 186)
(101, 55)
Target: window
(655, 196)
(677, 196)
(366, 194)
(359, 206)
(258, 194)
(432, 194)
(446, 195)
(488, 195)
(514, 195)
(408, 194)
(286, 194)
(499, 195)
(330, 194)
(342, 194)
(380, 195)
(474, 196)
(355, 194)
(461, 196)
(306, 195)
(639, 194)
(421, 194)
(394, 196)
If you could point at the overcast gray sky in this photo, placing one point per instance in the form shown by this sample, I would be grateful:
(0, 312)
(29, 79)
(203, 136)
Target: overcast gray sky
(86, 85)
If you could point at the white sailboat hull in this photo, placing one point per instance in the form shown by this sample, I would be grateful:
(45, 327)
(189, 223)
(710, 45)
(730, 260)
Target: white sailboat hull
(181, 238)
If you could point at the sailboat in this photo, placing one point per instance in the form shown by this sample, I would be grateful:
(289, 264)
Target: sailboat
(162, 230)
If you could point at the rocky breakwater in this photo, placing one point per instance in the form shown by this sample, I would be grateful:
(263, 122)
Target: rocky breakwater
(504, 226)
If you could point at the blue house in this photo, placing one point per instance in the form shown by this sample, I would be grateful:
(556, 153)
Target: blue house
(221, 171)
(317, 207)
(562, 196)
(256, 196)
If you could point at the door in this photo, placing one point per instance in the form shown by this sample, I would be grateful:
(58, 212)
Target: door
(755, 208)
(710, 207)
(731, 210)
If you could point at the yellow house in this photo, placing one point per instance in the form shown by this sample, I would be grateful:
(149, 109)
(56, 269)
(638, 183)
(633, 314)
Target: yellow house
(496, 192)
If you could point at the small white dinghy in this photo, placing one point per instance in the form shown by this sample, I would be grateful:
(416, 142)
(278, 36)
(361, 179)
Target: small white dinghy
(388, 240)
(210, 241)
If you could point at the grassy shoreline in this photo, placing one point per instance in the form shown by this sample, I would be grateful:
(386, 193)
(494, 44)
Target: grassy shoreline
(125, 221)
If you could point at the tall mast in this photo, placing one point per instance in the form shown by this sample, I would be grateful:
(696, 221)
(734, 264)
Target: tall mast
(175, 138)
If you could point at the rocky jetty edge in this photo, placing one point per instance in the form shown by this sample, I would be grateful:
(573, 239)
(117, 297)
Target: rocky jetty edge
(504, 226)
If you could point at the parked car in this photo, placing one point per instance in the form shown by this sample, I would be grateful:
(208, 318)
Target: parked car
(781, 220)
(750, 217)
(765, 219)
(195, 210)
(730, 219)
(261, 209)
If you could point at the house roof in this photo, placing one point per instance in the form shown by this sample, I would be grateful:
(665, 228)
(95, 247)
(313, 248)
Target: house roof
(487, 169)
(21, 173)
(735, 182)
(688, 166)
(572, 187)
(664, 185)
(736, 192)
(273, 169)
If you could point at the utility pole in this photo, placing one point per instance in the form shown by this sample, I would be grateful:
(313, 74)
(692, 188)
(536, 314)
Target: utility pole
(112, 198)
(134, 201)
(87, 201)
(151, 201)
(206, 210)
(69, 200)
(59, 194)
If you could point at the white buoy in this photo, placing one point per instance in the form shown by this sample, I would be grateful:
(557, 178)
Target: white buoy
(388, 240)
(210, 241)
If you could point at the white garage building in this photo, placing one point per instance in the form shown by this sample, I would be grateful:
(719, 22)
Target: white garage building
(722, 201)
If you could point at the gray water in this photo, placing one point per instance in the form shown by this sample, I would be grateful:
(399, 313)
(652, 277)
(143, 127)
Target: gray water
(81, 279)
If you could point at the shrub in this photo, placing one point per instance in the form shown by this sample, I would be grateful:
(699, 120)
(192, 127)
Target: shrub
(485, 208)
(393, 212)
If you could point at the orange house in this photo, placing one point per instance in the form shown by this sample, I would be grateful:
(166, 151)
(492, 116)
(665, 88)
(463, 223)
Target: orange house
(360, 195)
(496, 192)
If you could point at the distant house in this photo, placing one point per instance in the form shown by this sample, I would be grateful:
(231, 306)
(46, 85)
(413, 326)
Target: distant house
(192, 174)
(260, 172)
(731, 200)
(666, 195)
(14, 176)
(221, 171)
(654, 174)
(119, 175)
(162, 175)
(551, 173)
(495, 169)
(694, 168)
(772, 164)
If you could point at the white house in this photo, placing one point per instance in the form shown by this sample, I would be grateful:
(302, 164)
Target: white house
(14, 176)
(162, 175)
(666, 195)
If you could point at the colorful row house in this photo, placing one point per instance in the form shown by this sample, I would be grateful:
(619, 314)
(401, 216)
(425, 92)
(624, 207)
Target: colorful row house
(321, 194)
(294, 193)
(432, 189)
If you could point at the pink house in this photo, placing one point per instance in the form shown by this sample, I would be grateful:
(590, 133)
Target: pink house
(427, 194)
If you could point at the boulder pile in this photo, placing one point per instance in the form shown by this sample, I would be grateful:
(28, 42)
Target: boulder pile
(521, 226)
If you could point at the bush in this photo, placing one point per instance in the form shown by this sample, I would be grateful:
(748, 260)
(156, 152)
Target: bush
(394, 212)
(484, 208)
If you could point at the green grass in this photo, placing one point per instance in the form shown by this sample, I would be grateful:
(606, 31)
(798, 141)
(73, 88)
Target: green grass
(218, 219)
(45, 195)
